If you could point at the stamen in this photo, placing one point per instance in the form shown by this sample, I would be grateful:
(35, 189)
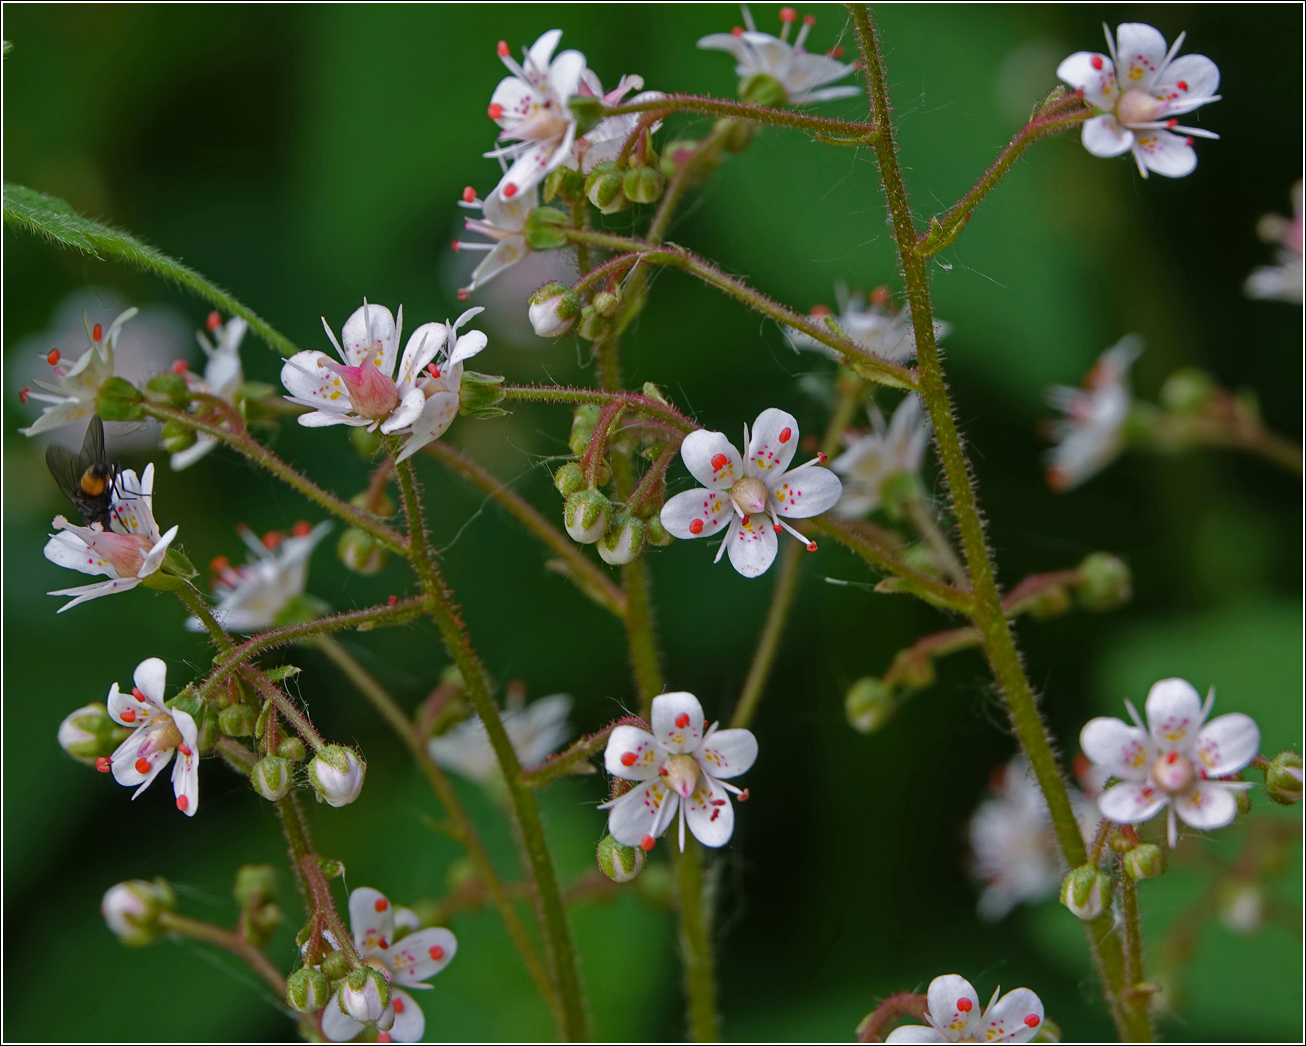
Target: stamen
(184, 749)
(719, 461)
(53, 356)
(495, 111)
(628, 758)
(272, 539)
(509, 191)
(214, 321)
(737, 31)
(103, 764)
(129, 716)
(22, 393)
(1096, 61)
(463, 294)
(399, 1003)
(786, 434)
(136, 693)
(301, 528)
(1032, 1021)
(180, 367)
(97, 332)
(503, 49)
(381, 904)
(392, 600)
(219, 564)
(142, 765)
(696, 526)
(646, 844)
(182, 803)
(682, 720)
(965, 1005)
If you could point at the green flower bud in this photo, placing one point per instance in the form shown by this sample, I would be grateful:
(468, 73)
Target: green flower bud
(176, 564)
(593, 324)
(619, 863)
(272, 777)
(119, 400)
(566, 182)
(168, 388)
(336, 965)
(337, 775)
(307, 990)
(209, 729)
(643, 184)
(583, 423)
(606, 303)
(1105, 582)
(1052, 601)
(132, 910)
(586, 516)
(480, 395)
(237, 720)
(366, 443)
(1085, 891)
(1283, 780)
(553, 310)
(365, 995)
(869, 704)
(623, 542)
(361, 552)
(657, 534)
(177, 437)
(1143, 862)
(292, 748)
(569, 478)
(256, 885)
(761, 89)
(738, 136)
(603, 186)
(1187, 391)
(90, 734)
(545, 229)
(676, 154)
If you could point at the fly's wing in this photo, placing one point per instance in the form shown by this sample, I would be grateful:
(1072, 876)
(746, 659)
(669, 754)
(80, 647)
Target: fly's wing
(93, 444)
(66, 468)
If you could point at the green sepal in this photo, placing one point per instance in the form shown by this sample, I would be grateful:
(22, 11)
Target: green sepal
(119, 400)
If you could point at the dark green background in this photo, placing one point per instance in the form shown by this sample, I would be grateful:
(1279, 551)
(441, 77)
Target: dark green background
(305, 157)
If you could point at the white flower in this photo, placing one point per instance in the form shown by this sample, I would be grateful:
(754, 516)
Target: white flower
(605, 139)
(799, 73)
(1091, 435)
(884, 452)
(742, 494)
(252, 596)
(1137, 94)
(129, 551)
(954, 1015)
(74, 397)
(680, 766)
(157, 733)
(223, 376)
(502, 220)
(336, 775)
(414, 958)
(870, 324)
(535, 730)
(1013, 845)
(1174, 761)
(1282, 281)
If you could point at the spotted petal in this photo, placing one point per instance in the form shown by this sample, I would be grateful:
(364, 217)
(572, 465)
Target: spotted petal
(915, 1033)
(948, 999)
(150, 677)
(134, 750)
(1174, 714)
(420, 956)
(772, 444)
(678, 723)
(697, 513)
(752, 545)
(1016, 1017)
(1210, 804)
(506, 252)
(1104, 136)
(423, 344)
(727, 753)
(1119, 749)
(644, 811)
(1165, 153)
(1092, 73)
(709, 813)
(1140, 54)
(338, 1026)
(66, 549)
(1130, 803)
(410, 1021)
(712, 459)
(805, 492)
(409, 410)
(132, 510)
(436, 417)
(370, 334)
(1188, 82)
(186, 769)
(1226, 744)
(128, 709)
(371, 919)
(100, 588)
(312, 385)
(631, 753)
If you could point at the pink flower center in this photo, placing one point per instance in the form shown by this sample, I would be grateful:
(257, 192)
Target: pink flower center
(1173, 772)
(1137, 106)
(749, 495)
(373, 394)
(124, 552)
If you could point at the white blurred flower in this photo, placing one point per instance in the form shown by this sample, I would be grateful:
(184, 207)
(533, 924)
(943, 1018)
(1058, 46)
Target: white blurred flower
(502, 221)
(1282, 281)
(78, 384)
(884, 452)
(869, 323)
(1091, 434)
(223, 376)
(535, 730)
(252, 596)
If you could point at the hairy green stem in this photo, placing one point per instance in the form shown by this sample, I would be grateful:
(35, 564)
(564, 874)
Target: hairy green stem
(696, 943)
(1133, 928)
(207, 933)
(194, 601)
(635, 402)
(825, 127)
(283, 704)
(927, 526)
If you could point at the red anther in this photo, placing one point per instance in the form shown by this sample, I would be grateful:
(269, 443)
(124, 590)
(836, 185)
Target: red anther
(744, 522)
(788, 14)
(399, 1003)
(1172, 123)
(385, 1036)
(1188, 141)
(1096, 61)
(495, 111)
(142, 765)
(696, 526)
(1057, 478)
(776, 527)
(463, 294)
(469, 195)
(715, 814)
(1170, 757)
(381, 904)
(822, 456)
(809, 20)
(811, 546)
(880, 295)
(737, 31)
(272, 539)
(786, 434)
(663, 772)
(718, 802)
(628, 758)
(136, 693)
(835, 52)
(1182, 85)
(455, 245)
(503, 49)
(128, 716)
(97, 332)
(104, 764)
(433, 370)
(383, 944)
(719, 461)
(219, 564)
(180, 367)
(964, 1005)
(22, 393)
(646, 844)
(682, 720)
(435, 952)
(509, 191)
(54, 355)
(820, 310)
(301, 528)
(392, 600)
(185, 750)
(1032, 1021)
(214, 321)
(742, 797)
(182, 803)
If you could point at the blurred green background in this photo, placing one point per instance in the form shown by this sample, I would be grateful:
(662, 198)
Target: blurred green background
(305, 157)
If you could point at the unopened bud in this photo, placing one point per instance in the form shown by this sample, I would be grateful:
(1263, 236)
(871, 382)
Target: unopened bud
(569, 478)
(1283, 779)
(869, 704)
(336, 965)
(643, 184)
(656, 533)
(361, 553)
(292, 748)
(365, 442)
(737, 137)
(545, 229)
(1187, 391)
(237, 720)
(566, 182)
(583, 423)
(593, 324)
(480, 395)
(307, 990)
(89, 733)
(365, 995)
(168, 388)
(177, 437)
(553, 310)
(1051, 601)
(1144, 862)
(606, 303)
(623, 542)
(131, 910)
(761, 89)
(1105, 582)
(337, 775)
(676, 154)
(586, 516)
(604, 188)
(272, 777)
(119, 400)
(1085, 891)
(588, 110)
(619, 863)
(256, 885)
(1240, 906)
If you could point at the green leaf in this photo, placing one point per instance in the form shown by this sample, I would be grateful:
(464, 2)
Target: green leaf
(54, 219)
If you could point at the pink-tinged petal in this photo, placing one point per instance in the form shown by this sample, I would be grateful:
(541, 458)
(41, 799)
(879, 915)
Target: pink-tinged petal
(678, 723)
(1210, 804)
(421, 955)
(431, 424)
(1016, 1017)
(772, 444)
(752, 545)
(371, 919)
(95, 591)
(128, 709)
(1119, 749)
(712, 459)
(710, 814)
(1226, 744)
(1093, 74)
(154, 557)
(506, 253)
(409, 410)
(66, 549)
(410, 1021)
(954, 1006)
(697, 513)
(313, 385)
(1188, 82)
(514, 99)
(337, 1025)
(643, 812)
(531, 165)
(370, 334)
(1130, 803)
(1140, 51)
(1167, 154)
(1103, 136)
(1174, 714)
(915, 1033)
(727, 753)
(806, 492)
(132, 508)
(423, 344)
(631, 753)
(150, 677)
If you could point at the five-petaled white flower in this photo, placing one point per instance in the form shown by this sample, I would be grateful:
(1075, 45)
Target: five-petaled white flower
(252, 596)
(1137, 93)
(535, 731)
(74, 397)
(680, 766)
(1091, 434)
(415, 957)
(502, 220)
(1174, 761)
(885, 451)
(745, 494)
(223, 376)
(872, 324)
(157, 733)
(128, 552)
(954, 1015)
(1282, 281)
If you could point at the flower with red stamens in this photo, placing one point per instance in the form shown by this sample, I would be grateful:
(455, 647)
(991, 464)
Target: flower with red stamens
(502, 221)
(73, 398)
(223, 376)
(158, 733)
(954, 1015)
(1091, 434)
(886, 451)
(1282, 281)
(873, 325)
(535, 730)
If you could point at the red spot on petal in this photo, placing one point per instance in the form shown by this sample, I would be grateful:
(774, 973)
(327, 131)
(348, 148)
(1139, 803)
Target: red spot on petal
(682, 720)
(964, 1005)
(719, 461)
(182, 803)
(22, 393)
(436, 952)
(715, 814)
(509, 191)
(1096, 61)
(301, 529)
(1182, 85)
(1032, 1021)
(128, 716)
(628, 758)
(103, 764)
(97, 332)
(495, 111)
(696, 526)
(381, 904)
(788, 14)
(503, 49)
(142, 765)
(214, 321)
(399, 1003)
(646, 843)
(737, 31)
(786, 434)
(392, 600)
(469, 194)
(53, 356)
(811, 546)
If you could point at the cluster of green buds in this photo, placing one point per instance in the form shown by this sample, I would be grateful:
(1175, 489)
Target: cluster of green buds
(258, 893)
(358, 550)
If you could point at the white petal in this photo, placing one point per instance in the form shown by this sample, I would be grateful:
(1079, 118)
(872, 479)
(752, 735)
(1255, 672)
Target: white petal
(1211, 804)
(643, 812)
(626, 742)
(515, 98)
(751, 544)
(314, 385)
(100, 588)
(186, 769)
(131, 510)
(944, 994)
(697, 513)
(564, 74)
(1226, 744)
(421, 955)
(321, 419)
(154, 557)
(531, 165)
(772, 445)
(371, 918)
(1140, 50)
(1009, 1020)
(370, 334)
(1165, 153)
(712, 459)
(915, 1033)
(1130, 803)
(710, 814)
(1174, 714)
(410, 1021)
(727, 42)
(1119, 749)
(506, 253)
(542, 50)
(66, 549)
(337, 1025)
(150, 677)
(423, 344)
(435, 419)
(678, 723)
(805, 492)
(1200, 79)
(1093, 74)
(727, 753)
(409, 410)
(136, 710)
(1103, 136)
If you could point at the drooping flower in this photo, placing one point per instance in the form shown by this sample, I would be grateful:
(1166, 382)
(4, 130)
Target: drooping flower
(1176, 761)
(441, 382)
(800, 76)
(872, 324)
(1137, 93)
(128, 552)
(223, 376)
(680, 766)
(157, 733)
(885, 451)
(1282, 281)
(1091, 435)
(502, 220)
(405, 956)
(954, 1015)
(605, 139)
(742, 494)
(252, 597)
(535, 730)
(73, 398)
